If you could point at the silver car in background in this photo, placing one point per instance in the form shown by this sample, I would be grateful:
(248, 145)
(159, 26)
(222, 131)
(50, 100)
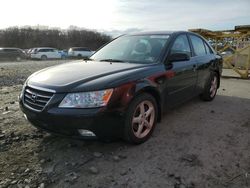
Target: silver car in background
(79, 52)
(45, 53)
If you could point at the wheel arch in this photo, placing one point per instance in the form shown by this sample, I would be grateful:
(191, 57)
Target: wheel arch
(217, 68)
(155, 93)
(43, 55)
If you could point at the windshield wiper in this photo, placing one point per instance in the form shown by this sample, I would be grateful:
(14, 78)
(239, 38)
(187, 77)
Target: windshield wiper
(112, 60)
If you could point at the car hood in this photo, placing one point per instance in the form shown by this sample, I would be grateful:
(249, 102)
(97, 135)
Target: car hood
(75, 73)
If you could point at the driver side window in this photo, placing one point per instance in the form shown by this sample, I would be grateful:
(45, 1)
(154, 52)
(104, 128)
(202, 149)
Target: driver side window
(181, 45)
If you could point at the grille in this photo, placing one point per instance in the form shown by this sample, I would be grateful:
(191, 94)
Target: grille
(36, 99)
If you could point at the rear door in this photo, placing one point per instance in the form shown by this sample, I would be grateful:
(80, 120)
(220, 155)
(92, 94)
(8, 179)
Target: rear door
(50, 53)
(6, 53)
(204, 57)
(87, 52)
(41, 52)
(182, 82)
(84, 52)
(14, 53)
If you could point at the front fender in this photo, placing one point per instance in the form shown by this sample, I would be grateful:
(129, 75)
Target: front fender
(124, 94)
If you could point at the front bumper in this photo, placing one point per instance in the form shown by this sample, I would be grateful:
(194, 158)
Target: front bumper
(68, 122)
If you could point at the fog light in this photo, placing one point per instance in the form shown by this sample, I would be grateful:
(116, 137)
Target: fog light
(84, 132)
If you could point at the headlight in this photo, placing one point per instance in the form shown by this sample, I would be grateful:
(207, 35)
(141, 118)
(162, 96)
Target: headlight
(22, 92)
(91, 99)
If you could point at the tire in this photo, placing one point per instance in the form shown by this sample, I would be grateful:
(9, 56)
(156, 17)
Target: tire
(79, 56)
(211, 87)
(44, 57)
(18, 58)
(138, 125)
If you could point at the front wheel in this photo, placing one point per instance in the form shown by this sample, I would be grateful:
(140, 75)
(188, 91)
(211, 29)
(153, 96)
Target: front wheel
(211, 87)
(140, 119)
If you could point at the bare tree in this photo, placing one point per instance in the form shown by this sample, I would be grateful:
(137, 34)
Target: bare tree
(62, 39)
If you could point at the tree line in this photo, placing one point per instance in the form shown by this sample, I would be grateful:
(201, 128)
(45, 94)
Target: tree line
(62, 39)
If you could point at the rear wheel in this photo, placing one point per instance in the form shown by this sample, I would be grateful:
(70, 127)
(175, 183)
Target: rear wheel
(44, 57)
(140, 119)
(211, 87)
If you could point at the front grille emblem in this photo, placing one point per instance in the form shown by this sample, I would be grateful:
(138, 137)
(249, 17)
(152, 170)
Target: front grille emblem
(34, 97)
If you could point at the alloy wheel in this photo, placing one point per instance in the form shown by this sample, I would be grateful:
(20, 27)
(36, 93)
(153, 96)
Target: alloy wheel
(143, 119)
(214, 86)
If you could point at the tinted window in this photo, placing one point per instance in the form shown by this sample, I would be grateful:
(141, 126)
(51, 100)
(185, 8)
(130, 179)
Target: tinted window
(81, 49)
(198, 45)
(10, 50)
(46, 50)
(181, 45)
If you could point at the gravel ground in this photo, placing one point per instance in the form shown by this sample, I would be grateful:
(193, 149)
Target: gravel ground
(197, 145)
(13, 73)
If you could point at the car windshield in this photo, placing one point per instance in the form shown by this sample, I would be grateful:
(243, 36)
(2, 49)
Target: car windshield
(132, 49)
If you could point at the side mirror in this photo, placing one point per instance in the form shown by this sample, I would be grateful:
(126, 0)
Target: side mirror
(178, 57)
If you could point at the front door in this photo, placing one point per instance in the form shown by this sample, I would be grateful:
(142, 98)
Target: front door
(181, 83)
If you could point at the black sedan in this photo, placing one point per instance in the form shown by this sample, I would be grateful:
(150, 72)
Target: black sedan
(124, 88)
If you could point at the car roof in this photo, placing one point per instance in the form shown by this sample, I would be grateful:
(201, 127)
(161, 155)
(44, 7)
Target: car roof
(44, 48)
(156, 32)
(10, 48)
(78, 47)
(160, 33)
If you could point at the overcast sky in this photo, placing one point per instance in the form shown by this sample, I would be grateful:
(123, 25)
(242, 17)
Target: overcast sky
(126, 14)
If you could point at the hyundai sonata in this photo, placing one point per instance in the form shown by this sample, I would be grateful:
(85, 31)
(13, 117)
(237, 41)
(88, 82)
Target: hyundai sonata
(124, 88)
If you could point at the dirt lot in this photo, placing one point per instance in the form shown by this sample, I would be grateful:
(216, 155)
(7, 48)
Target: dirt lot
(197, 145)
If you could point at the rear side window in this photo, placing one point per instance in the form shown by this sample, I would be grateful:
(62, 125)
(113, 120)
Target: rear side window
(10, 50)
(181, 45)
(198, 45)
(42, 50)
(46, 50)
(208, 49)
(81, 49)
